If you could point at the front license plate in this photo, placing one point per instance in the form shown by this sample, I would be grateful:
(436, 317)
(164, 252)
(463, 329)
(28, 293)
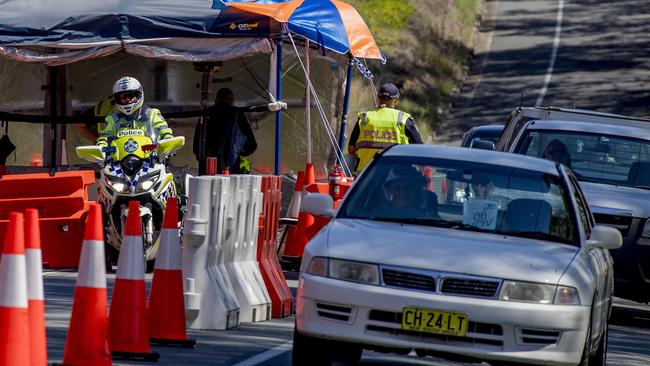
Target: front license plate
(434, 321)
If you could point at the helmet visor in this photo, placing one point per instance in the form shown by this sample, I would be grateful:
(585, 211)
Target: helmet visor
(127, 97)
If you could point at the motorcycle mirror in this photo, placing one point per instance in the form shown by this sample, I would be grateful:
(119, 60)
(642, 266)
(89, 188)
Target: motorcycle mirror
(150, 147)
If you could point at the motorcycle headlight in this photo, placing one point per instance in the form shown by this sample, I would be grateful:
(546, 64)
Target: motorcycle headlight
(527, 292)
(131, 164)
(148, 181)
(118, 184)
(646, 229)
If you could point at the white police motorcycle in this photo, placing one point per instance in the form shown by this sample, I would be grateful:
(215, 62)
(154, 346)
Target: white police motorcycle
(134, 168)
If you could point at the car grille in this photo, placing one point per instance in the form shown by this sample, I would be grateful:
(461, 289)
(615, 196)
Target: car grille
(439, 282)
(469, 287)
(485, 334)
(538, 336)
(408, 280)
(622, 223)
(335, 312)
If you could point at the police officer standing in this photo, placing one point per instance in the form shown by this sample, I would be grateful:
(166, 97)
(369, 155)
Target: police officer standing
(382, 127)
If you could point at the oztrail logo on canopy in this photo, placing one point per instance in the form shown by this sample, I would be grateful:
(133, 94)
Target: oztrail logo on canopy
(244, 26)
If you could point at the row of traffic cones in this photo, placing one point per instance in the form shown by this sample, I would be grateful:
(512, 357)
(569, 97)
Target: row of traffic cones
(22, 311)
(131, 326)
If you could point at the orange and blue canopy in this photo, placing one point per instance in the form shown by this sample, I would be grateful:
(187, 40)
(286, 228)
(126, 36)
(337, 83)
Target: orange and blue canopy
(332, 24)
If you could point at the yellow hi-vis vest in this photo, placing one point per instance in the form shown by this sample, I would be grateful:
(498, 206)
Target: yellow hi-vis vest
(103, 109)
(378, 129)
(149, 120)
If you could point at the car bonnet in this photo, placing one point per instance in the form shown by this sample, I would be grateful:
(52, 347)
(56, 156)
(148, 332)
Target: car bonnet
(449, 250)
(621, 200)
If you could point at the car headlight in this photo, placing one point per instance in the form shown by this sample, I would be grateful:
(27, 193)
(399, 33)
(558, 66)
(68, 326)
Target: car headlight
(527, 292)
(565, 295)
(145, 183)
(344, 270)
(120, 185)
(646, 229)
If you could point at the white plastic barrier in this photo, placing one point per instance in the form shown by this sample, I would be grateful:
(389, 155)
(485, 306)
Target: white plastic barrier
(240, 248)
(210, 302)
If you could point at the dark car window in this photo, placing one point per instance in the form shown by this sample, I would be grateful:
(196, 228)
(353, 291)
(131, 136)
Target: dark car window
(595, 157)
(464, 195)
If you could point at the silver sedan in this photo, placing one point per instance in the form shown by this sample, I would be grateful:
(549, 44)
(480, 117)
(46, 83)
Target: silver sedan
(458, 253)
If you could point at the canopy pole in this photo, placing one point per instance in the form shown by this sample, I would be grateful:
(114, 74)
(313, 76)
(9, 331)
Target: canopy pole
(205, 81)
(346, 105)
(278, 114)
(308, 102)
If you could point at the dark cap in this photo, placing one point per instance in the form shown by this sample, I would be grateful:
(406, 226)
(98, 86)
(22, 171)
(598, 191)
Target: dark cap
(389, 90)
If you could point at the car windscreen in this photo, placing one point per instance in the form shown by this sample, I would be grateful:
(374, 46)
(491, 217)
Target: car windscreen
(464, 195)
(595, 157)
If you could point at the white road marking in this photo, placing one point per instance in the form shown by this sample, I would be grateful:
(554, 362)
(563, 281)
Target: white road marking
(556, 46)
(266, 355)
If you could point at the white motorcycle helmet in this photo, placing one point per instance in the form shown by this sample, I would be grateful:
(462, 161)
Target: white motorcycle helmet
(131, 89)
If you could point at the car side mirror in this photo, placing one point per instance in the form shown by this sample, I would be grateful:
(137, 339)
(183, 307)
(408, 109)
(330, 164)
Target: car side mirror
(483, 144)
(605, 237)
(318, 204)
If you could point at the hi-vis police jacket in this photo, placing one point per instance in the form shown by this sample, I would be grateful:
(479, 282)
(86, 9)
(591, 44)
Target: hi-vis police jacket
(149, 120)
(378, 129)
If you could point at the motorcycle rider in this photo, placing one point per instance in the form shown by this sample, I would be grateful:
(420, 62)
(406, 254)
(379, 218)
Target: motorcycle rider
(130, 112)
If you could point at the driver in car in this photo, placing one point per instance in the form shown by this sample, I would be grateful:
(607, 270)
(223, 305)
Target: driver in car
(405, 191)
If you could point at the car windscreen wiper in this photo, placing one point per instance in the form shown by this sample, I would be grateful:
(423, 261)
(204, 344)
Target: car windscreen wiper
(536, 235)
(467, 227)
(415, 221)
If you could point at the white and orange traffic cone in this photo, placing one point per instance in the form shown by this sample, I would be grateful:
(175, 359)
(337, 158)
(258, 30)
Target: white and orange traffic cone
(166, 302)
(87, 341)
(294, 206)
(14, 313)
(128, 317)
(38, 345)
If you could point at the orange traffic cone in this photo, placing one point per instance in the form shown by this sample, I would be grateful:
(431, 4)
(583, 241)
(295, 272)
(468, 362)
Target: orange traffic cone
(14, 313)
(294, 206)
(38, 347)
(305, 220)
(87, 340)
(128, 317)
(166, 303)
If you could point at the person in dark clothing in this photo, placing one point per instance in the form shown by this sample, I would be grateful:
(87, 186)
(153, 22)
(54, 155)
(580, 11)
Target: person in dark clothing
(229, 136)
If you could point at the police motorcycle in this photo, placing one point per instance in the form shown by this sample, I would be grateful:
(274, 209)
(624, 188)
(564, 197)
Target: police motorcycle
(133, 167)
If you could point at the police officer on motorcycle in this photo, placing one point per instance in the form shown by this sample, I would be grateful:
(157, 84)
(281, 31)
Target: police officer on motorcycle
(131, 113)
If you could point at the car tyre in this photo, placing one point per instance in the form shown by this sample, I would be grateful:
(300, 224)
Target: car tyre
(599, 358)
(347, 353)
(310, 351)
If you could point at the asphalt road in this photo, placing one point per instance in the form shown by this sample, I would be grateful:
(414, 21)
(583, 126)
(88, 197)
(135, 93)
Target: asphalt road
(590, 54)
(269, 343)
